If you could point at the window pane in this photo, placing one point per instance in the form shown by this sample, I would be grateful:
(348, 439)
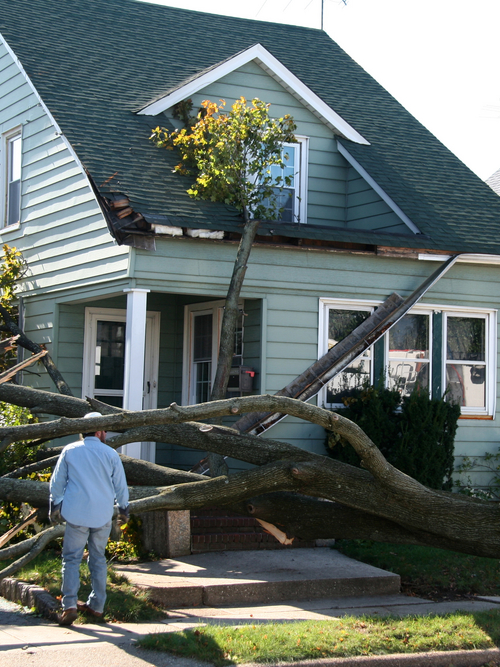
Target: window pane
(466, 385)
(13, 202)
(466, 338)
(116, 401)
(352, 377)
(409, 338)
(110, 355)
(202, 337)
(203, 371)
(14, 171)
(405, 375)
(342, 322)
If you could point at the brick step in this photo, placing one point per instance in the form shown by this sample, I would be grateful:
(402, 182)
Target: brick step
(242, 541)
(221, 530)
(234, 524)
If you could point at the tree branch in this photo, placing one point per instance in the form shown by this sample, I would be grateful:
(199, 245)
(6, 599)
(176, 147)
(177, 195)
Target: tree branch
(36, 546)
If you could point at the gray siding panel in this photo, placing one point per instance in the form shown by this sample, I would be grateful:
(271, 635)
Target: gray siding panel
(59, 212)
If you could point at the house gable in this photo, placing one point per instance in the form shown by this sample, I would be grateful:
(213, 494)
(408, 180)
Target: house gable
(338, 195)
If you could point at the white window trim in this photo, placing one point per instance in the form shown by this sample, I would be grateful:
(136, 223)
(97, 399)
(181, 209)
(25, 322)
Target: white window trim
(301, 177)
(490, 314)
(490, 364)
(324, 306)
(190, 310)
(4, 176)
(300, 199)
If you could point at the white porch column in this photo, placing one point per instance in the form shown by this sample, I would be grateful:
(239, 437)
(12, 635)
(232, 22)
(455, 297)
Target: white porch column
(135, 345)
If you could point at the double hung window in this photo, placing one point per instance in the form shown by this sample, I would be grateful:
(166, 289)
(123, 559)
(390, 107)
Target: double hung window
(202, 322)
(292, 174)
(11, 166)
(443, 351)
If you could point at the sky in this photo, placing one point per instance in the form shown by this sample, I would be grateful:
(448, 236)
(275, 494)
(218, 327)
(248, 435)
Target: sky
(439, 58)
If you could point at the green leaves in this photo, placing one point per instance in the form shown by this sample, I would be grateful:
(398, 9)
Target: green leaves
(231, 153)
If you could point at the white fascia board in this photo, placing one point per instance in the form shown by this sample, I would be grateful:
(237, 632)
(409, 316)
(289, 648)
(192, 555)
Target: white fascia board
(380, 191)
(59, 132)
(466, 258)
(278, 71)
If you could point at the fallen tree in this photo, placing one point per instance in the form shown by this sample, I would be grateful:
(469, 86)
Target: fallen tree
(305, 495)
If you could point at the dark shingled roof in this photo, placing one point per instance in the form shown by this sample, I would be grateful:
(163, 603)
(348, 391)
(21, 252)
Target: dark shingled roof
(95, 62)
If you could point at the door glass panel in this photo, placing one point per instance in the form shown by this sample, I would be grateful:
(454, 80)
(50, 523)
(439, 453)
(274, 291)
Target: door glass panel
(116, 401)
(110, 355)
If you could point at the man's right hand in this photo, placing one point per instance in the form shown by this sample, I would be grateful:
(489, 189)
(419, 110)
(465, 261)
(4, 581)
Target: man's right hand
(55, 515)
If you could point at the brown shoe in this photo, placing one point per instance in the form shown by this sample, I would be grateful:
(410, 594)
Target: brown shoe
(84, 608)
(68, 616)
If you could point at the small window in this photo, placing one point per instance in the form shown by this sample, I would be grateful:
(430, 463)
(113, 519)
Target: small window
(12, 147)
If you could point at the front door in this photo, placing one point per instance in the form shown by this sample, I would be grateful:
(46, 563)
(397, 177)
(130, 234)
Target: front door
(104, 360)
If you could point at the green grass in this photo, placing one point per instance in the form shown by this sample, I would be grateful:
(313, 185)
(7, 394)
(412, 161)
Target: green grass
(428, 572)
(124, 602)
(346, 637)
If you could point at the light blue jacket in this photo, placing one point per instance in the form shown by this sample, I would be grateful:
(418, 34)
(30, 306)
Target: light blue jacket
(87, 479)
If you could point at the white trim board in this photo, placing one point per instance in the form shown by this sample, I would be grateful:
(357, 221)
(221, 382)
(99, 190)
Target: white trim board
(465, 258)
(274, 68)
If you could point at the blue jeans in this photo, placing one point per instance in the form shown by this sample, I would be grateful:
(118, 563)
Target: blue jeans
(75, 539)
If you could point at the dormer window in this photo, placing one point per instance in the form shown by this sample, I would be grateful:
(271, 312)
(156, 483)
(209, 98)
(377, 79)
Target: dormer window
(292, 198)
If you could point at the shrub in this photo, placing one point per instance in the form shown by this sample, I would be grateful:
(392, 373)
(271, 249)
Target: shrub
(415, 433)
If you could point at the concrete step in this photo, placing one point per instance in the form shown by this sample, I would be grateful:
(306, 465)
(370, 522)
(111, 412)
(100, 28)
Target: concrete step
(258, 577)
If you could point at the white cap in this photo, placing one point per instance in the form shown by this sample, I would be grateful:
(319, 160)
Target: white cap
(92, 415)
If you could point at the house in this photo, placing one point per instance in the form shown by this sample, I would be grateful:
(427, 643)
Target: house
(127, 274)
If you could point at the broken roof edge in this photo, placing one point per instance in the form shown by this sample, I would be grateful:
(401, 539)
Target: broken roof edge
(274, 68)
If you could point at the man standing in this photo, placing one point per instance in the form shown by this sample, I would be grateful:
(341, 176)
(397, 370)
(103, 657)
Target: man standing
(87, 479)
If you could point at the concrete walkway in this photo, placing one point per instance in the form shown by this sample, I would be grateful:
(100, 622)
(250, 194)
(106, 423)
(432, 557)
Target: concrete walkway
(27, 640)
